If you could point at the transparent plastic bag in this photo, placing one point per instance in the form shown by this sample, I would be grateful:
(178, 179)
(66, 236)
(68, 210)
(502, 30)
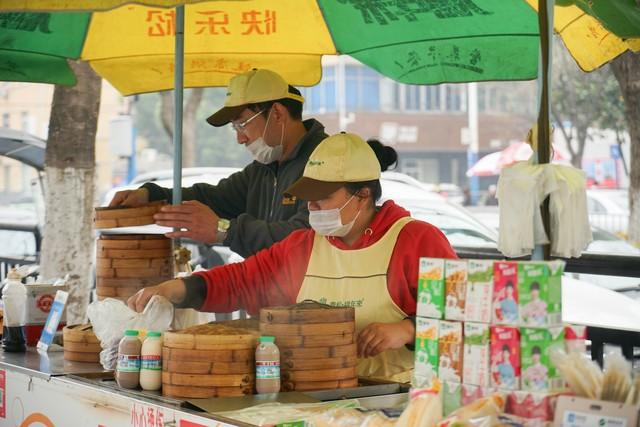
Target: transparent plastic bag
(111, 317)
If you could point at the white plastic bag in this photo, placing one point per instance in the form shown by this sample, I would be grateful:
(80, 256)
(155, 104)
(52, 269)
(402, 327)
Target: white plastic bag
(111, 317)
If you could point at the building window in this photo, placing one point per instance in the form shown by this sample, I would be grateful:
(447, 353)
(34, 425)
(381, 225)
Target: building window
(455, 98)
(321, 98)
(412, 98)
(362, 88)
(6, 120)
(433, 98)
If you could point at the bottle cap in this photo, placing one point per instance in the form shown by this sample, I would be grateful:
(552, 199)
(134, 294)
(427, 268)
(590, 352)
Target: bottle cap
(266, 338)
(154, 334)
(131, 333)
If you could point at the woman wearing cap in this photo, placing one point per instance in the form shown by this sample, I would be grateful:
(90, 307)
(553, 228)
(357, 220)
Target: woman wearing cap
(356, 254)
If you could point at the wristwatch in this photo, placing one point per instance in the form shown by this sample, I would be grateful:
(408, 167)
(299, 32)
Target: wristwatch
(223, 227)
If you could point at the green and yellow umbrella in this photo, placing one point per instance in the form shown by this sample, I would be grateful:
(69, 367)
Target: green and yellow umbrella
(418, 42)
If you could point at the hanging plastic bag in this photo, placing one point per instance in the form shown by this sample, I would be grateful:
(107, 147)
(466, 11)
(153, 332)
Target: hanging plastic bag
(111, 317)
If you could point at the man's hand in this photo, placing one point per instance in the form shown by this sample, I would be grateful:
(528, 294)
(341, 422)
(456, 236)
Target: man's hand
(378, 337)
(173, 290)
(199, 221)
(130, 198)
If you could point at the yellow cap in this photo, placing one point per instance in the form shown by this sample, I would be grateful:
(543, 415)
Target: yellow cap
(251, 87)
(339, 159)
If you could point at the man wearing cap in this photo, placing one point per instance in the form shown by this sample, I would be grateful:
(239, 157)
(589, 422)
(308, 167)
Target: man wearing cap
(247, 211)
(356, 255)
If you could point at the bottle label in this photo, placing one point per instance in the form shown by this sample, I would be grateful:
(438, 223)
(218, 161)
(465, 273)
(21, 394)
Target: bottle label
(152, 362)
(128, 363)
(267, 370)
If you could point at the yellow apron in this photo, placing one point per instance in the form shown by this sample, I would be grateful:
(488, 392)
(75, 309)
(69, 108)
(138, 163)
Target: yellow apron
(358, 278)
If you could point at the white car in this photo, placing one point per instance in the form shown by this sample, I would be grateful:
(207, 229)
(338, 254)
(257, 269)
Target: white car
(609, 209)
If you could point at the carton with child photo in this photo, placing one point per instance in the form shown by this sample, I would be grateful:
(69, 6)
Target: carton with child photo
(538, 371)
(540, 292)
(431, 288)
(505, 357)
(505, 293)
(479, 291)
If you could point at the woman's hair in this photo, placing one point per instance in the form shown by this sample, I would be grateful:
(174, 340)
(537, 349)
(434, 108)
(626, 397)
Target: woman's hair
(387, 157)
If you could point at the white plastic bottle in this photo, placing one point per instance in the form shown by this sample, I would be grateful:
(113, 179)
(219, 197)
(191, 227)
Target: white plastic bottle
(14, 300)
(151, 368)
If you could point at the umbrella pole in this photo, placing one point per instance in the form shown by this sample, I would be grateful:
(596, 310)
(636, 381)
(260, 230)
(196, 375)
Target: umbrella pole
(177, 106)
(545, 22)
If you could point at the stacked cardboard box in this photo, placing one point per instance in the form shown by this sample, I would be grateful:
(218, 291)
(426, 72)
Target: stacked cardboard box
(486, 326)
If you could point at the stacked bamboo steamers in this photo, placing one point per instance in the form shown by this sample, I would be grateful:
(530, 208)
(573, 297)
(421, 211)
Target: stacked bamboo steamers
(317, 345)
(125, 263)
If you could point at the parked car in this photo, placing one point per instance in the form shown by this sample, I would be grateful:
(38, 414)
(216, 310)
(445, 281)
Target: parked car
(609, 209)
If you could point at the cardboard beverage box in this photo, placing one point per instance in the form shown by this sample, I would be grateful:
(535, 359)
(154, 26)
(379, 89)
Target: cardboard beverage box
(505, 293)
(40, 298)
(450, 346)
(431, 288)
(505, 357)
(470, 393)
(455, 289)
(575, 338)
(479, 291)
(475, 359)
(538, 372)
(426, 354)
(532, 405)
(540, 293)
(451, 397)
(581, 412)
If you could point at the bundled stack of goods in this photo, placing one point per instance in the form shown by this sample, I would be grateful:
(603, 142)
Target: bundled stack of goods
(81, 344)
(122, 216)
(317, 345)
(486, 326)
(210, 360)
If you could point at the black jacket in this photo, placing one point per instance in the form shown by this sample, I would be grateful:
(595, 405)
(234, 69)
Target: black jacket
(253, 198)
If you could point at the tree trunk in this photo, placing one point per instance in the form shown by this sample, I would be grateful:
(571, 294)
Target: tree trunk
(68, 244)
(626, 68)
(188, 124)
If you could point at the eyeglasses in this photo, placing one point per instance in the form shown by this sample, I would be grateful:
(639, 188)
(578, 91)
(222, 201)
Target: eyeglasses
(242, 126)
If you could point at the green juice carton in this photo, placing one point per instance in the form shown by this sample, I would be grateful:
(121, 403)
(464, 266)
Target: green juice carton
(451, 397)
(476, 357)
(426, 354)
(538, 371)
(479, 291)
(431, 288)
(455, 289)
(540, 292)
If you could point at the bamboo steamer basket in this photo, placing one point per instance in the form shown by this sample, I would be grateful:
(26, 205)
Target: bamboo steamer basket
(317, 345)
(122, 216)
(210, 360)
(127, 263)
(81, 344)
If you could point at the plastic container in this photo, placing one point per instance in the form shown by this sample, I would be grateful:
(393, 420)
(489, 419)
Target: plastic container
(151, 362)
(128, 368)
(14, 300)
(267, 366)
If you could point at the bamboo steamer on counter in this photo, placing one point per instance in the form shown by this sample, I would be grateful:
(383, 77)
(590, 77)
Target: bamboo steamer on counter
(126, 263)
(317, 345)
(210, 360)
(81, 344)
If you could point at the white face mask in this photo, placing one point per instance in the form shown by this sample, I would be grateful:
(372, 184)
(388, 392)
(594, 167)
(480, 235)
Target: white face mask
(329, 223)
(263, 152)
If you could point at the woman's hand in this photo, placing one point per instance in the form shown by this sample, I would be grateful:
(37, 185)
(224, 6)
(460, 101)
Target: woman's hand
(173, 290)
(378, 337)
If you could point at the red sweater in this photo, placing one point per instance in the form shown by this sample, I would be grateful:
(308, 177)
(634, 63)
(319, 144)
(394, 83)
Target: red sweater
(273, 276)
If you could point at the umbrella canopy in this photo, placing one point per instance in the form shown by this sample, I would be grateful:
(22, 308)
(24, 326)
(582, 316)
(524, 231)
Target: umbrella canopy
(455, 41)
(66, 5)
(492, 164)
(596, 31)
(23, 147)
